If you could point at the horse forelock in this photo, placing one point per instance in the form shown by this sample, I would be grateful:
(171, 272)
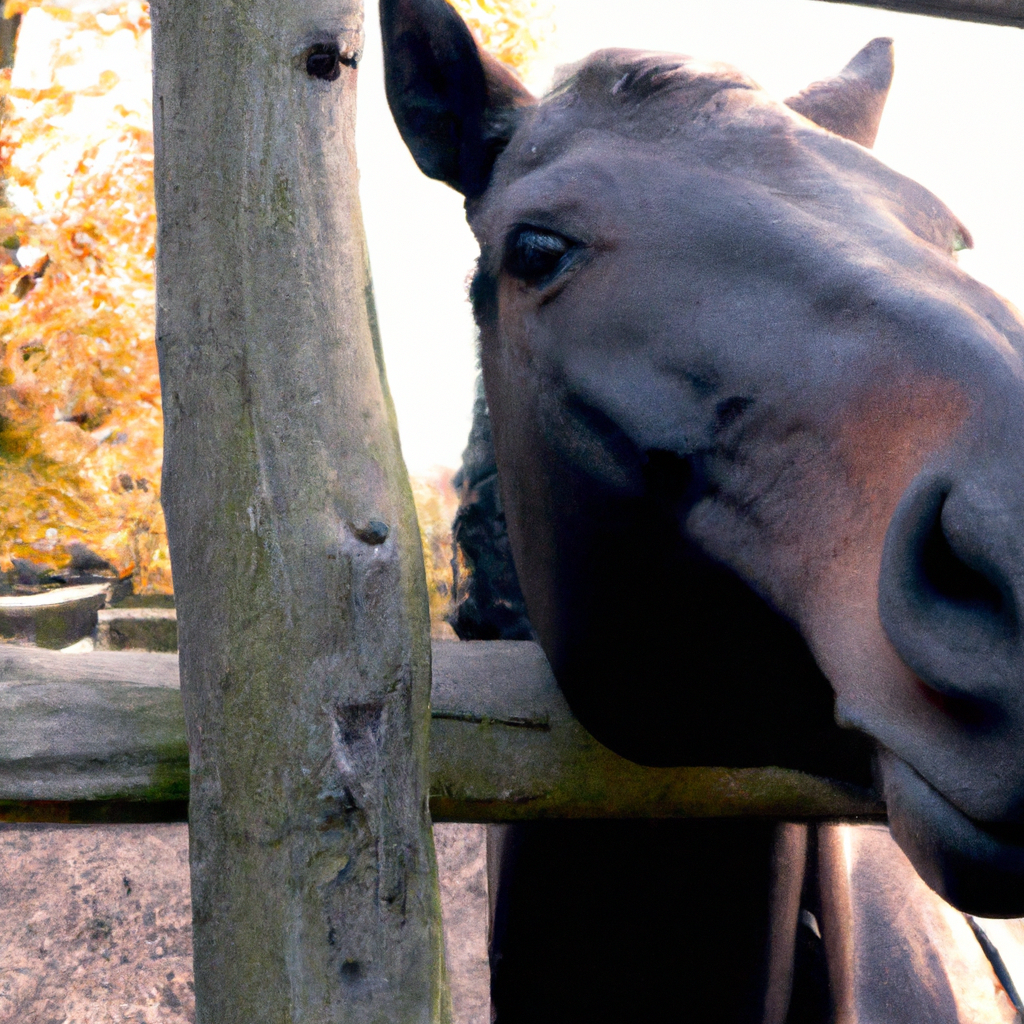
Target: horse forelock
(618, 77)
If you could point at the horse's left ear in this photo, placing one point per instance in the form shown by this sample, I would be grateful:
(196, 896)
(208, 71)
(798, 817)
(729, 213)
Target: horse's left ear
(851, 104)
(454, 104)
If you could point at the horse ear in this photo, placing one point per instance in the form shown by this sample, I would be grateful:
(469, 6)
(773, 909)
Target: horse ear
(851, 104)
(454, 104)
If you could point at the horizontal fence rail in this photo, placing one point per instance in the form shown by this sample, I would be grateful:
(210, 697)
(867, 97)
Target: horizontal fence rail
(101, 738)
(989, 12)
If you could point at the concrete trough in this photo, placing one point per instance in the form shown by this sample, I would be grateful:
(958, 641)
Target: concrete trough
(55, 618)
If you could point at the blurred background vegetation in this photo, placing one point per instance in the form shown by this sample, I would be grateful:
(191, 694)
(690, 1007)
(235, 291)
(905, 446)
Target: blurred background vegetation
(80, 417)
(80, 413)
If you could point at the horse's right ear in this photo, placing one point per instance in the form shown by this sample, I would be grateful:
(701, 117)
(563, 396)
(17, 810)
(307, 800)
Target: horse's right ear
(455, 105)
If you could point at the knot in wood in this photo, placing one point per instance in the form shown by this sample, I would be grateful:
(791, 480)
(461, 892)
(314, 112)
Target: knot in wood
(325, 60)
(373, 532)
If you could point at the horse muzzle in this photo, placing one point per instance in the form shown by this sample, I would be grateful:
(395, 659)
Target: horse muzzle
(950, 597)
(977, 867)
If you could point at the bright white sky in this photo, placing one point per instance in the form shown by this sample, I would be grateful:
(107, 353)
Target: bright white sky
(954, 121)
(44, 41)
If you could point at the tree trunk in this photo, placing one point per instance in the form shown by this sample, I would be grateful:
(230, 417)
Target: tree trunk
(305, 655)
(8, 39)
(8, 45)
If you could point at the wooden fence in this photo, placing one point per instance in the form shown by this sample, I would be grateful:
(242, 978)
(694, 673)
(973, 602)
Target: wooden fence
(101, 738)
(990, 12)
(317, 754)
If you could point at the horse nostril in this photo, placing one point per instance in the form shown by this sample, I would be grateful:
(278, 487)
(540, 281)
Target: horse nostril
(946, 577)
(946, 596)
(668, 475)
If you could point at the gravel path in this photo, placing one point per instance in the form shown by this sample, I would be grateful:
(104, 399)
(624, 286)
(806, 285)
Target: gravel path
(95, 924)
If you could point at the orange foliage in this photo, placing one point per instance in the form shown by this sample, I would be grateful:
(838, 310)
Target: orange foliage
(80, 415)
(513, 30)
(436, 504)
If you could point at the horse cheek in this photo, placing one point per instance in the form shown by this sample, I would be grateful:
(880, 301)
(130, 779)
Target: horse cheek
(886, 438)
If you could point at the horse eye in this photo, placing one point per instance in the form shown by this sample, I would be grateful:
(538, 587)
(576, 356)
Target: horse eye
(532, 254)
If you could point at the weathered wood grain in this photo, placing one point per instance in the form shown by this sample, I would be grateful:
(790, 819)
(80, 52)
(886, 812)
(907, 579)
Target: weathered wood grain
(101, 737)
(298, 572)
(139, 629)
(504, 746)
(88, 729)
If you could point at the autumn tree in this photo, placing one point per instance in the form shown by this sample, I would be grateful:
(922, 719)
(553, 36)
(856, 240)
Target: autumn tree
(80, 410)
(515, 31)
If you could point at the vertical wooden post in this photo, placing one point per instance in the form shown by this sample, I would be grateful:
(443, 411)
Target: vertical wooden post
(305, 657)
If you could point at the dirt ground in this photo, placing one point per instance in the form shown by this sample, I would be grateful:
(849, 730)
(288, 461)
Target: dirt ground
(95, 924)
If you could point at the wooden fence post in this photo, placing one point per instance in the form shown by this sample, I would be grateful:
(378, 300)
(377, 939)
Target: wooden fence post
(305, 656)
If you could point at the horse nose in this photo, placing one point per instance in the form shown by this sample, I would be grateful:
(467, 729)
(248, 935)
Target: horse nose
(950, 590)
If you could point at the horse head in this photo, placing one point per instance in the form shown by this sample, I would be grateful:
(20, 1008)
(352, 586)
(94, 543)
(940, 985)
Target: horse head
(759, 436)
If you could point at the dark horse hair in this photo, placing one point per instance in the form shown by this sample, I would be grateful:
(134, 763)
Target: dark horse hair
(487, 603)
(759, 442)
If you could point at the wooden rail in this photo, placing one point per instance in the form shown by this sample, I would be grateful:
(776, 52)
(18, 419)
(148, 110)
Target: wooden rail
(101, 738)
(289, 515)
(990, 12)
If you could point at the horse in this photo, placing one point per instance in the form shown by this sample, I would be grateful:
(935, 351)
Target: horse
(732, 364)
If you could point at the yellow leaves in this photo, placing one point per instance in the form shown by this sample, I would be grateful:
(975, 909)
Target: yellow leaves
(57, 11)
(35, 95)
(436, 503)
(79, 384)
(514, 31)
(108, 79)
(133, 16)
(60, 13)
